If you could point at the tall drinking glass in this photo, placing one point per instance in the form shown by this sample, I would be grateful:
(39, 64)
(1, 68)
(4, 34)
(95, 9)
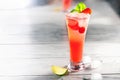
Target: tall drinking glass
(77, 26)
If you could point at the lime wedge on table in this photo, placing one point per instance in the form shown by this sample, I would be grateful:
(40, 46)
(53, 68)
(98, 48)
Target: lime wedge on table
(59, 70)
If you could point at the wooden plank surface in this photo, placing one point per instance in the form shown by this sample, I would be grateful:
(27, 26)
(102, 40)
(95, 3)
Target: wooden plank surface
(33, 39)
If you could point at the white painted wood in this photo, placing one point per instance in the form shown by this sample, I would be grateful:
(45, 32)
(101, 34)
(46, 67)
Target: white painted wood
(34, 39)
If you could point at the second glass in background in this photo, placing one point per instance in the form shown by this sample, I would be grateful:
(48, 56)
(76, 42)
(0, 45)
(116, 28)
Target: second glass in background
(66, 4)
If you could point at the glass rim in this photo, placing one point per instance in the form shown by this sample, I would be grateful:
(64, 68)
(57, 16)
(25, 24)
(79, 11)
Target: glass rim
(76, 17)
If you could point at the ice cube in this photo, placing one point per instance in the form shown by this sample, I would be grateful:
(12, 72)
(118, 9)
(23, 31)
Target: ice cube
(87, 62)
(96, 64)
(86, 59)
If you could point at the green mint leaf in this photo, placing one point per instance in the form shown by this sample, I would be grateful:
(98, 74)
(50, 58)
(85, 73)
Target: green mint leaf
(83, 6)
(74, 10)
(79, 7)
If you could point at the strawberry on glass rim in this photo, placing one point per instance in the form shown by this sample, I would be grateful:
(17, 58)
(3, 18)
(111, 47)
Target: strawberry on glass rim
(87, 11)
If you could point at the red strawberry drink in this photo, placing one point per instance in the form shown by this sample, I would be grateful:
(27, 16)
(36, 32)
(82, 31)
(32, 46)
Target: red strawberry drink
(77, 26)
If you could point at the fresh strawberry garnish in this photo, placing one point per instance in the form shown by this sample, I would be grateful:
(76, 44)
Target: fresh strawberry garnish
(87, 11)
(81, 29)
(73, 24)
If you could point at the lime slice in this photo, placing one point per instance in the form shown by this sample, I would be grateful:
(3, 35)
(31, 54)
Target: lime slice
(59, 70)
(79, 7)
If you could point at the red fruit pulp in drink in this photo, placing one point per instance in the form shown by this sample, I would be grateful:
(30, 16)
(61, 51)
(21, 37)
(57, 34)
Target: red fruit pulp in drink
(81, 29)
(73, 24)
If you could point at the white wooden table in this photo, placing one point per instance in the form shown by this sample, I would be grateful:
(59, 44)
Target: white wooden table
(33, 39)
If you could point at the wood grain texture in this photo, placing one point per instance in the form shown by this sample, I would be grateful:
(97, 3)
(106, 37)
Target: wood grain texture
(34, 39)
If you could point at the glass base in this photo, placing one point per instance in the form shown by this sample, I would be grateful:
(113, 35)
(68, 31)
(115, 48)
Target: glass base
(74, 67)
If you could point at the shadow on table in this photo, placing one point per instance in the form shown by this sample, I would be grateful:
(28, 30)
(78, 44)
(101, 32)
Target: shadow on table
(50, 33)
(99, 32)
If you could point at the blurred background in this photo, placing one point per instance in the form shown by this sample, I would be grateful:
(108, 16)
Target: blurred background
(115, 4)
(20, 4)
